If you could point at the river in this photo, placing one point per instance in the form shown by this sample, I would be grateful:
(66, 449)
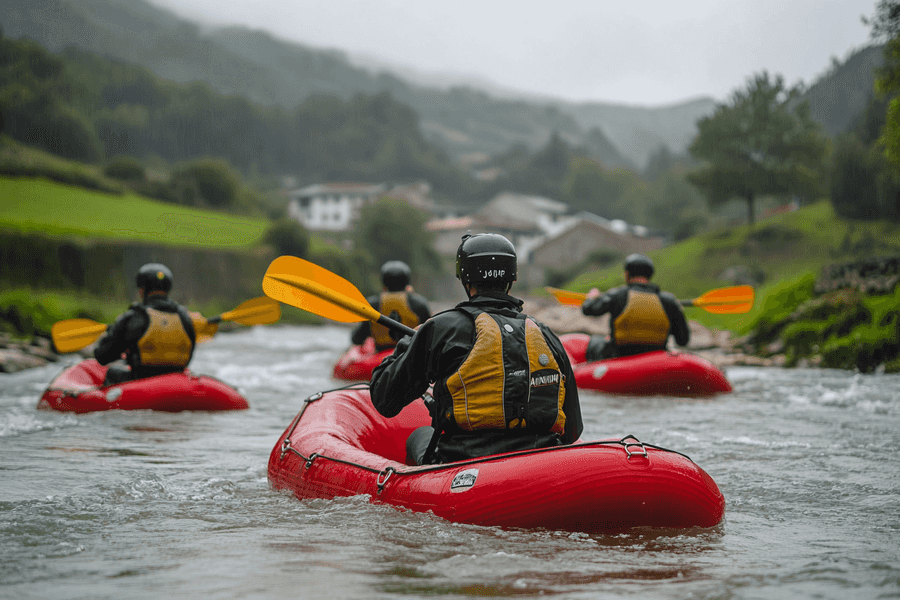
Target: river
(140, 504)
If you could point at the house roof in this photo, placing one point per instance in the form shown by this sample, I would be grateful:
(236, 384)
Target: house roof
(338, 188)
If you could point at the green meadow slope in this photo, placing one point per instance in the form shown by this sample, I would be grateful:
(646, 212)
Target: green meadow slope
(47, 207)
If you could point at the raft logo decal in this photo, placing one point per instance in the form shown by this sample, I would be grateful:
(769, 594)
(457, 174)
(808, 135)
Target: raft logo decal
(463, 480)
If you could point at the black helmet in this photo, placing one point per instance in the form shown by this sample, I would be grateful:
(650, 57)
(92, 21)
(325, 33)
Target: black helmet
(486, 258)
(638, 265)
(154, 277)
(395, 275)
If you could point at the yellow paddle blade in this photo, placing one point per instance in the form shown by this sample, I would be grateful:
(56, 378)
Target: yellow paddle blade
(258, 311)
(309, 287)
(730, 300)
(567, 297)
(74, 334)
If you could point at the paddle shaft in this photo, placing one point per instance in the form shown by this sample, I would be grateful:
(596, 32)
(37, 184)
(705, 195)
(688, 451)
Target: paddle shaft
(395, 325)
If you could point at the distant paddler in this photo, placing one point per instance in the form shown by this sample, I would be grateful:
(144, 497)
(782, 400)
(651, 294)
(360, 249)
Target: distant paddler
(398, 301)
(641, 316)
(156, 335)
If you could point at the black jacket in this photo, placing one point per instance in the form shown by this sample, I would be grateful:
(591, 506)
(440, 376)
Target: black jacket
(130, 326)
(417, 303)
(436, 351)
(614, 301)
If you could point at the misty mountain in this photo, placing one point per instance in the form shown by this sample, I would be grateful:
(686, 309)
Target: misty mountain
(839, 97)
(470, 123)
(467, 122)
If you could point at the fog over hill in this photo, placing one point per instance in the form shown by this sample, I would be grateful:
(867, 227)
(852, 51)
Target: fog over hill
(466, 116)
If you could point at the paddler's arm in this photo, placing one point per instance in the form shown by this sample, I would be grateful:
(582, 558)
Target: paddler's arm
(120, 336)
(364, 329)
(572, 404)
(419, 306)
(596, 304)
(402, 377)
(678, 324)
(360, 333)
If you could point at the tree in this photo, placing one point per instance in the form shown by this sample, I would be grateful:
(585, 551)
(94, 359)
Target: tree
(213, 179)
(762, 142)
(391, 229)
(886, 26)
(588, 186)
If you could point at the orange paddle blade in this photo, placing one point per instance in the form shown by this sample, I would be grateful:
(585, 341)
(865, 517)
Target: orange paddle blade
(309, 287)
(731, 300)
(567, 297)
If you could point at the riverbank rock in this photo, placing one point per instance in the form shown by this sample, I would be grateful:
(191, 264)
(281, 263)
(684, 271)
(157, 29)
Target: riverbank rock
(17, 355)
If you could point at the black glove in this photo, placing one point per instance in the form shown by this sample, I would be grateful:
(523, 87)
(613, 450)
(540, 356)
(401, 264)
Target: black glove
(395, 334)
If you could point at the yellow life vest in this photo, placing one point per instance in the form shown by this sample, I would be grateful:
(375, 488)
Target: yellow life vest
(166, 342)
(393, 302)
(509, 380)
(643, 321)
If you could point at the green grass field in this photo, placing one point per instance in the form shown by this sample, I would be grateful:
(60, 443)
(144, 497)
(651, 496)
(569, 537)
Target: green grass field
(42, 206)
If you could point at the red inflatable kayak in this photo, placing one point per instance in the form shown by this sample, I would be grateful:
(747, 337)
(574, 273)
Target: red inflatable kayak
(356, 364)
(339, 445)
(80, 389)
(661, 373)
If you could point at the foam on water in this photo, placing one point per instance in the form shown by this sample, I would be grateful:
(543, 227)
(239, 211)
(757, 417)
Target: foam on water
(18, 421)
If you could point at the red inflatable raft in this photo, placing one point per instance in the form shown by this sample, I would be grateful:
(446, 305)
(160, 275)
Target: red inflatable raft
(339, 445)
(80, 389)
(356, 364)
(661, 373)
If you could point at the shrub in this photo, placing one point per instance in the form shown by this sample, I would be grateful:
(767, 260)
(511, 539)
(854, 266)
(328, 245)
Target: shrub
(125, 168)
(287, 236)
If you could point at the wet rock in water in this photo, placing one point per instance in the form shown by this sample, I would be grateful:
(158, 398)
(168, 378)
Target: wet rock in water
(13, 360)
(17, 355)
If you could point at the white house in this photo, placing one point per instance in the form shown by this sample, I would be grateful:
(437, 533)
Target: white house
(331, 206)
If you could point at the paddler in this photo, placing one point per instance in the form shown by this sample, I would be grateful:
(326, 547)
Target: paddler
(502, 380)
(641, 317)
(156, 335)
(397, 301)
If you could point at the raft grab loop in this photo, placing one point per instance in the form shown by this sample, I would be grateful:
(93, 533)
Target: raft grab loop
(285, 446)
(386, 474)
(312, 457)
(629, 446)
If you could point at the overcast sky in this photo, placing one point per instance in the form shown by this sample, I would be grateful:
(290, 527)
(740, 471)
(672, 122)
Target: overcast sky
(646, 52)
